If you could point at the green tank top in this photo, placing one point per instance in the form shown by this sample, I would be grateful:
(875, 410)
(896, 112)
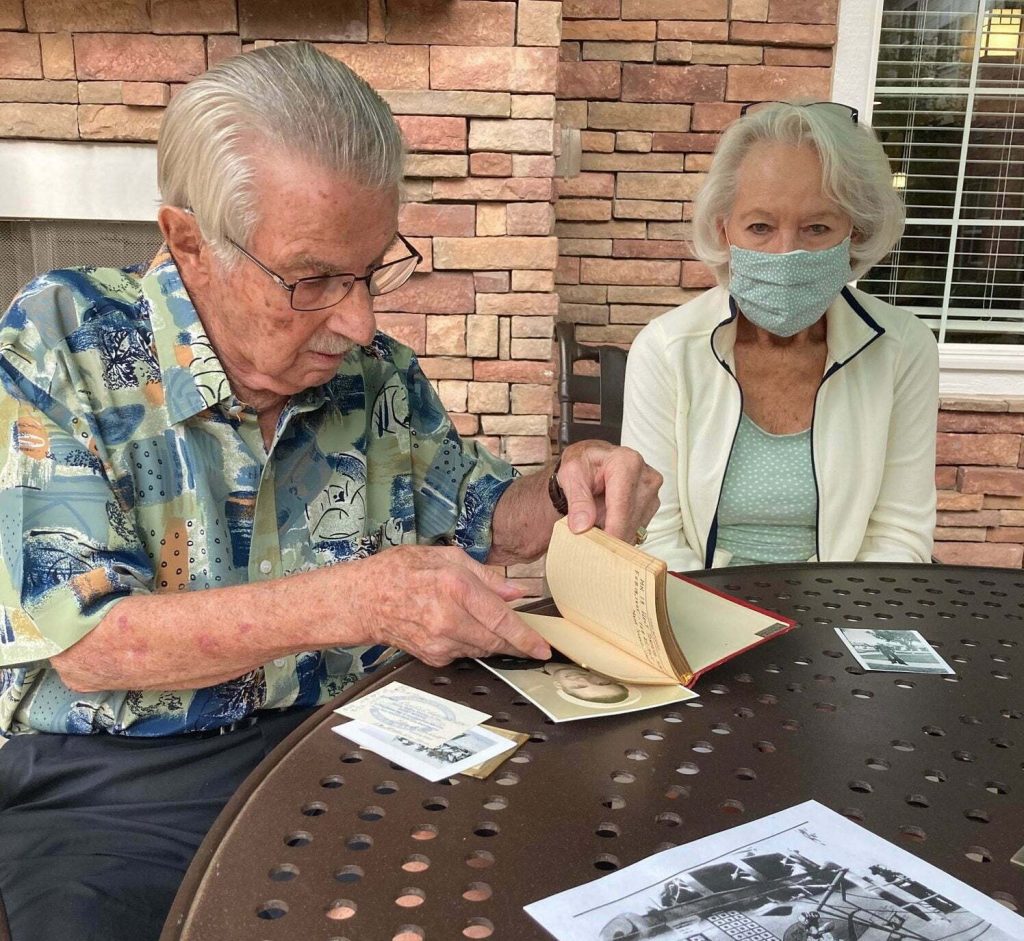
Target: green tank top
(769, 504)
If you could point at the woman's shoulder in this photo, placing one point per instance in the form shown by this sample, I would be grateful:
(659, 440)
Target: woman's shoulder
(697, 318)
(898, 322)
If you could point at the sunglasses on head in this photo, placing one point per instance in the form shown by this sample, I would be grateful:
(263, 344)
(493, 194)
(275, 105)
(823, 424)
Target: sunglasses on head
(845, 110)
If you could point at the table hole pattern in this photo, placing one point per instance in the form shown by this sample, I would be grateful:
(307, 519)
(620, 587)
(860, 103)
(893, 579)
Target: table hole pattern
(416, 862)
(478, 928)
(480, 859)
(409, 933)
(272, 909)
(926, 762)
(1010, 901)
(341, 910)
(605, 862)
(410, 897)
(477, 892)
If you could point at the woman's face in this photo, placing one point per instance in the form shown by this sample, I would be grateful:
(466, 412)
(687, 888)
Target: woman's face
(780, 206)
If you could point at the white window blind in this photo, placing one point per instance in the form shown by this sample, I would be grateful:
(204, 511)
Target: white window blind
(949, 110)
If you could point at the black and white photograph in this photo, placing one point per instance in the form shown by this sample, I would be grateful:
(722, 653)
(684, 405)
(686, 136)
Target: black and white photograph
(467, 750)
(893, 651)
(565, 691)
(803, 874)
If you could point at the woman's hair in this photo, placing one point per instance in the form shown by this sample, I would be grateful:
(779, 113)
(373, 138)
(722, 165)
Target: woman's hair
(287, 97)
(855, 175)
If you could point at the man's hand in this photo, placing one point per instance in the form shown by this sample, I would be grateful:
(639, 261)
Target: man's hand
(438, 604)
(608, 486)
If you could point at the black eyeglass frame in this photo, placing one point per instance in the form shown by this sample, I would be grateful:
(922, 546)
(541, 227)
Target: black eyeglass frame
(291, 286)
(854, 113)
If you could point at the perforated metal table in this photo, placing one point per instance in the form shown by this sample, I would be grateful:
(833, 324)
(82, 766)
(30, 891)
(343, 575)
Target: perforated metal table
(328, 841)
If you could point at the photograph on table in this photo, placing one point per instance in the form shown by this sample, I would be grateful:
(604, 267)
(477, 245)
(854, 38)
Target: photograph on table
(565, 691)
(893, 651)
(803, 874)
(466, 750)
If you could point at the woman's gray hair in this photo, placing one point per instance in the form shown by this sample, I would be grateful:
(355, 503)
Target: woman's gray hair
(288, 97)
(855, 175)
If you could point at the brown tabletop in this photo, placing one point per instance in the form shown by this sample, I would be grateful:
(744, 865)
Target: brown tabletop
(329, 841)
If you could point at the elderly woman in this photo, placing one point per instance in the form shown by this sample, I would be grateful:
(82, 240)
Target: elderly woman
(791, 415)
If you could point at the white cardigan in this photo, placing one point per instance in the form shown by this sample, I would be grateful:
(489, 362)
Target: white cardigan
(872, 430)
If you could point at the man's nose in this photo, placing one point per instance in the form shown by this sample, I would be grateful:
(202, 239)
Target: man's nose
(353, 317)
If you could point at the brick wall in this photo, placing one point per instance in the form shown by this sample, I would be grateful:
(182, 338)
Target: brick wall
(980, 476)
(472, 84)
(649, 84)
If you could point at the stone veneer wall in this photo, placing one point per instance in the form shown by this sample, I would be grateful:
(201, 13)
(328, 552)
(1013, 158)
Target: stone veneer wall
(650, 84)
(472, 84)
(980, 476)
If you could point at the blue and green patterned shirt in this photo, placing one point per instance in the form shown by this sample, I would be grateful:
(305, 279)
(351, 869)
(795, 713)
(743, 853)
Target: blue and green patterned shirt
(127, 466)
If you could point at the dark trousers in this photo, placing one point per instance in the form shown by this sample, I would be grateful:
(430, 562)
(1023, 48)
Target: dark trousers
(96, 831)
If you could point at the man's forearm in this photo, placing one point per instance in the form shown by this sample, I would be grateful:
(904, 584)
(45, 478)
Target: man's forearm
(189, 640)
(523, 518)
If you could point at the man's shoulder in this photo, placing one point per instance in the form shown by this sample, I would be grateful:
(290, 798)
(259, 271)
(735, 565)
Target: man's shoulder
(55, 306)
(386, 356)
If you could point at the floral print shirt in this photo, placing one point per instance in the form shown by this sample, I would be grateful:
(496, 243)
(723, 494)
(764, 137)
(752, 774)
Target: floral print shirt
(127, 466)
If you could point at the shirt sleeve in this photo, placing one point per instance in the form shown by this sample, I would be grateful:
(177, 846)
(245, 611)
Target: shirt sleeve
(649, 425)
(456, 483)
(902, 524)
(68, 550)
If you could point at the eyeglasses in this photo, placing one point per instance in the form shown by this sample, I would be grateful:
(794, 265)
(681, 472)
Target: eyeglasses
(845, 110)
(323, 291)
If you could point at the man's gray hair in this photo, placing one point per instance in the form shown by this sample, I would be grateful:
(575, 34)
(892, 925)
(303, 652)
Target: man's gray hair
(855, 175)
(288, 97)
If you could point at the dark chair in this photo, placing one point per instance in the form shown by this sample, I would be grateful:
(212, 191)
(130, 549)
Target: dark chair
(603, 389)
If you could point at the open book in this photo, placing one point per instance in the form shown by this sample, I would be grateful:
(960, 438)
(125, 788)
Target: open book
(624, 615)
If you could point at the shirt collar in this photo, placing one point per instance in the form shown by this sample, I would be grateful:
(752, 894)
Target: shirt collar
(193, 377)
(850, 329)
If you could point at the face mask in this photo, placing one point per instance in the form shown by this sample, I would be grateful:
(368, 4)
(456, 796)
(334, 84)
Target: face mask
(787, 293)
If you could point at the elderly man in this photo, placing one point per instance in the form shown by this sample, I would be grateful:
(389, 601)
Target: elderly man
(190, 449)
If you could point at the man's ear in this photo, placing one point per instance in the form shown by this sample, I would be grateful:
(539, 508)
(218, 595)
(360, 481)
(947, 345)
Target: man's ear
(185, 241)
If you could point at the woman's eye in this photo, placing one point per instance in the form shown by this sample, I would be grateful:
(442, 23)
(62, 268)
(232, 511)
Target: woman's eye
(759, 228)
(819, 228)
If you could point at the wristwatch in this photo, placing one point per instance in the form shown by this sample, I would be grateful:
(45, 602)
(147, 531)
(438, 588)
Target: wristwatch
(555, 492)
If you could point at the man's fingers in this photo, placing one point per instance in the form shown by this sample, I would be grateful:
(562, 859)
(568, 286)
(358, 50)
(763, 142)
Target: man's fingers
(502, 623)
(483, 600)
(576, 484)
(513, 631)
(496, 581)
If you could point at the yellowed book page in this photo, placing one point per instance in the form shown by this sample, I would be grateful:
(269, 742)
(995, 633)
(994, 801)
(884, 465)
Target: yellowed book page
(593, 653)
(711, 628)
(611, 589)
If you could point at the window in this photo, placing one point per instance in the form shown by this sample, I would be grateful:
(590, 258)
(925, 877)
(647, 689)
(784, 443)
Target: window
(31, 248)
(949, 110)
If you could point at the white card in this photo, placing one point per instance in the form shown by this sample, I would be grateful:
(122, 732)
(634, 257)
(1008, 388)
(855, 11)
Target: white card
(465, 750)
(410, 713)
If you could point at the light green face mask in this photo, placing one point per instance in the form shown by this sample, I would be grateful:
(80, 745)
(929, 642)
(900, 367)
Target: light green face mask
(787, 293)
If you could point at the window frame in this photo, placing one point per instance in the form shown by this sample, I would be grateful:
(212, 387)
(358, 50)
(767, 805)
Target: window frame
(965, 368)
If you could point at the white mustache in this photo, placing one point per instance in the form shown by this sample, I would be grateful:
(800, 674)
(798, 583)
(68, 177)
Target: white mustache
(331, 346)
